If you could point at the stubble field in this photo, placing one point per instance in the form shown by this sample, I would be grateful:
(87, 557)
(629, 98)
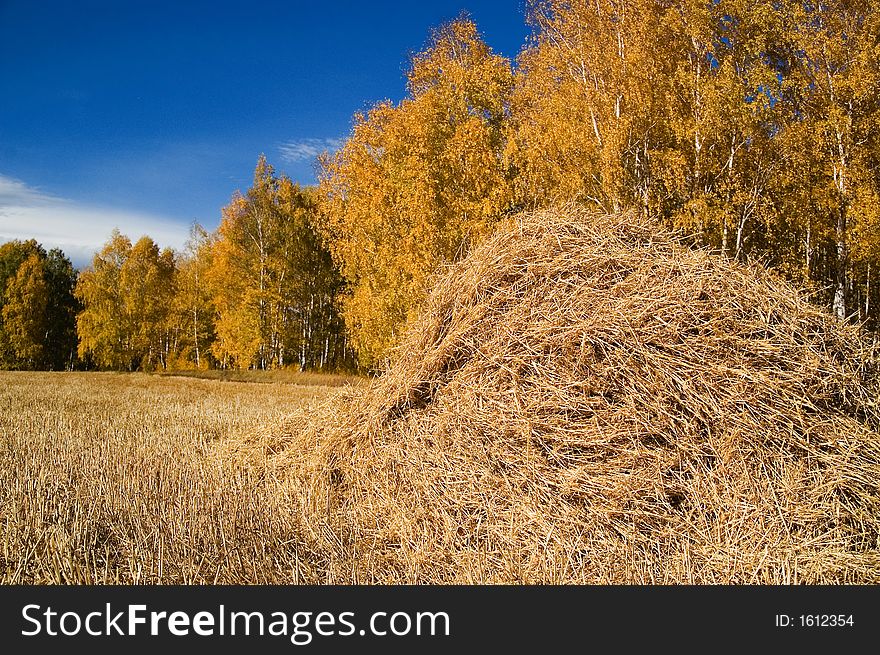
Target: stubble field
(117, 478)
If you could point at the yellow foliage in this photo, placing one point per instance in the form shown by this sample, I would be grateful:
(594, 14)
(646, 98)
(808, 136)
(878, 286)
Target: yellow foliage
(271, 281)
(417, 184)
(24, 313)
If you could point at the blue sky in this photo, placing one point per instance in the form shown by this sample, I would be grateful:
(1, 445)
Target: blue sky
(149, 115)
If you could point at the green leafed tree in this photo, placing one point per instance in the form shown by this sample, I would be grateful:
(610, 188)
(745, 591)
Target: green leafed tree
(61, 341)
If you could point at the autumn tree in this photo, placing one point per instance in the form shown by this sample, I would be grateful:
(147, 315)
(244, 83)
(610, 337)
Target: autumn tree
(194, 309)
(308, 297)
(146, 280)
(747, 125)
(37, 308)
(126, 297)
(104, 336)
(12, 255)
(589, 96)
(25, 316)
(418, 183)
(834, 62)
(274, 281)
(725, 110)
(656, 106)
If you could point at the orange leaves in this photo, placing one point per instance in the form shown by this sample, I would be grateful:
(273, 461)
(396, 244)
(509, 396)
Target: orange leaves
(417, 183)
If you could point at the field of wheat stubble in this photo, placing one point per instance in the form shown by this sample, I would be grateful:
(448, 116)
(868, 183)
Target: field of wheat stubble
(116, 478)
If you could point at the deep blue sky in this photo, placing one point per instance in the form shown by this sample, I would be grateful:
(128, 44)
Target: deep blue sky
(157, 111)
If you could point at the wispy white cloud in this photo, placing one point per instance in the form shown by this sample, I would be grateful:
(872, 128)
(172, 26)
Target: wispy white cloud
(14, 191)
(300, 150)
(78, 229)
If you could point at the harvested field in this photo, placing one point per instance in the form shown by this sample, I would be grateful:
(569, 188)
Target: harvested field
(113, 478)
(584, 400)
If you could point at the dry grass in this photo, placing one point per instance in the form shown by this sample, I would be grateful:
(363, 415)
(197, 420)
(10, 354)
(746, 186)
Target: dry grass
(111, 478)
(275, 376)
(585, 401)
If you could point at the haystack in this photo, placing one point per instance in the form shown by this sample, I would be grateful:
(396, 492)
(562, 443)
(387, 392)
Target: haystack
(586, 400)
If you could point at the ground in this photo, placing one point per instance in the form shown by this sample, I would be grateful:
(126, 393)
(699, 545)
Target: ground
(116, 478)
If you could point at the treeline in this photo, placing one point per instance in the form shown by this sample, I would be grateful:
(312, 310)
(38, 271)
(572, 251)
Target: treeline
(259, 292)
(750, 126)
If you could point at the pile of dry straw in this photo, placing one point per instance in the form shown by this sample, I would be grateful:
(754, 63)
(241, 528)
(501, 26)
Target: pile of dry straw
(585, 400)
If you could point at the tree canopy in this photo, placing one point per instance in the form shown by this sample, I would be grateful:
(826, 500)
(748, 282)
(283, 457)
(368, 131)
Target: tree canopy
(37, 307)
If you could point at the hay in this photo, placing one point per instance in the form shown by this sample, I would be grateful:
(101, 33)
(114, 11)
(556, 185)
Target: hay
(585, 400)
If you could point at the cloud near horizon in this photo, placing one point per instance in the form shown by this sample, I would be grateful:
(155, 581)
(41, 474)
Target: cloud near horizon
(78, 229)
(294, 152)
